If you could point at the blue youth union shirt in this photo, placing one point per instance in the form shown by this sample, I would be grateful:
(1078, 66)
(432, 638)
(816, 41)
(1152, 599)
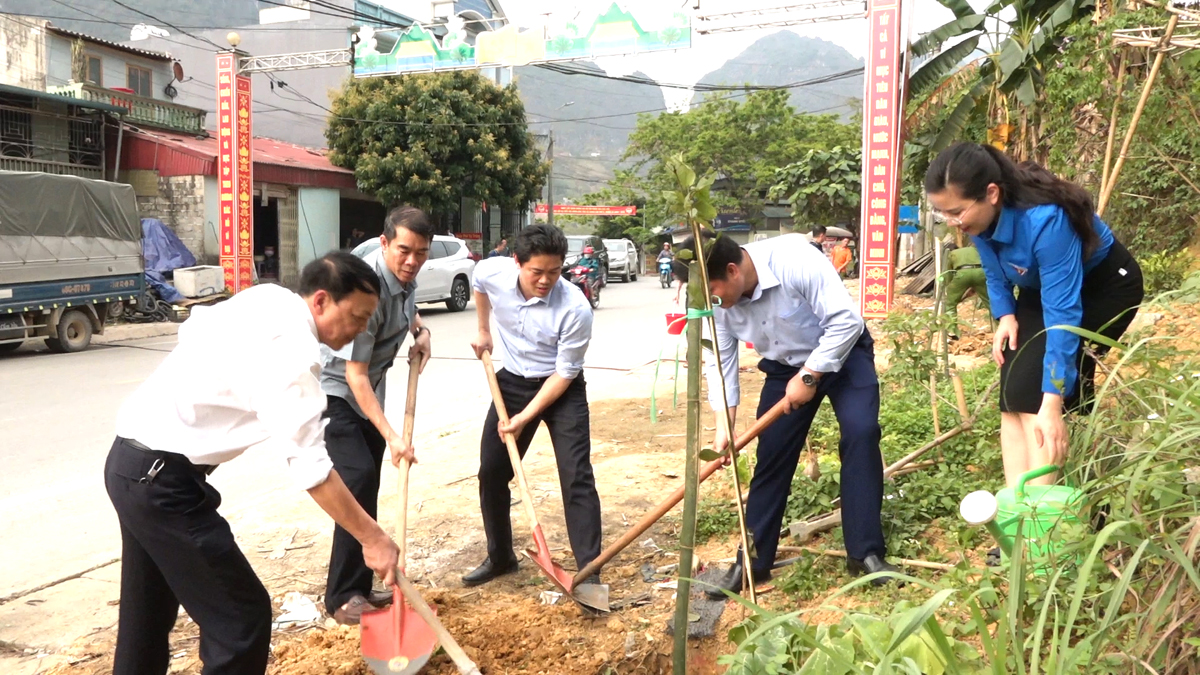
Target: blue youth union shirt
(1036, 248)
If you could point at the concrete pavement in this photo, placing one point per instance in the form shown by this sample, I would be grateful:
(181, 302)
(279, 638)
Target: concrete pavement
(59, 409)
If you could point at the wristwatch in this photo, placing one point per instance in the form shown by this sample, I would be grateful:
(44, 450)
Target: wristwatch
(808, 378)
(417, 332)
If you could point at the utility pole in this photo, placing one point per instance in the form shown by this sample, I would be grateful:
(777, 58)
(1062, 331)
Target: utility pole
(550, 182)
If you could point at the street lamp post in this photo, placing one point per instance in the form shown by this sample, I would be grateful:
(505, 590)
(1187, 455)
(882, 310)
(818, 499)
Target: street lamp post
(550, 177)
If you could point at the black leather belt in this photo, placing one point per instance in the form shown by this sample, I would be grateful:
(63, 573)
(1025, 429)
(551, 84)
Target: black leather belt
(176, 458)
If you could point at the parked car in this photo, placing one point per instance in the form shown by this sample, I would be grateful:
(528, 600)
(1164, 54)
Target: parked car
(446, 275)
(575, 246)
(624, 259)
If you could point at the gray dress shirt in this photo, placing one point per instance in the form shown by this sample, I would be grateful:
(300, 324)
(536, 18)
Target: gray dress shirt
(380, 343)
(800, 313)
(540, 336)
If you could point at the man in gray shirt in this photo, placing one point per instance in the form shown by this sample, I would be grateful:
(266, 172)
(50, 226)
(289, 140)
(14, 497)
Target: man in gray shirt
(784, 297)
(353, 380)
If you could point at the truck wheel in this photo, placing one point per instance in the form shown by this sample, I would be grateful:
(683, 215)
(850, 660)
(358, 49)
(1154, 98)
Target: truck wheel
(460, 294)
(74, 333)
(10, 347)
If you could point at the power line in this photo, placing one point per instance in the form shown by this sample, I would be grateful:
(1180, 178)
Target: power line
(168, 25)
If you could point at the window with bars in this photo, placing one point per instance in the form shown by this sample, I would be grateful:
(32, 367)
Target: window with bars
(139, 81)
(85, 146)
(16, 126)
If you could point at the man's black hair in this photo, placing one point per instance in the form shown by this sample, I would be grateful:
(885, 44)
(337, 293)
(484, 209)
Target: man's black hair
(338, 273)
(817, 230)
(722, 251)
(409, 218)
(539, 240)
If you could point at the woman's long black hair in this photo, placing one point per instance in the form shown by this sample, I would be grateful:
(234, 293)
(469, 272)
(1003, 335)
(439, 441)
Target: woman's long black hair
(971, 167)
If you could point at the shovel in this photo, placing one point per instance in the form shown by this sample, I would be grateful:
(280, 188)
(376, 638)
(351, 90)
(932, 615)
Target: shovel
(541, 556)
(669, 503)
(397, 640)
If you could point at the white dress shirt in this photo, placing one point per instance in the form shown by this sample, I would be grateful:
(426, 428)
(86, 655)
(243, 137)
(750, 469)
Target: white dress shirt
(244, 372)
(800, 314)
(540, 336)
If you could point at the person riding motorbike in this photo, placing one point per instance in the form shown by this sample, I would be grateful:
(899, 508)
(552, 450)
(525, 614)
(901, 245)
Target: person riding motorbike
(590, 261)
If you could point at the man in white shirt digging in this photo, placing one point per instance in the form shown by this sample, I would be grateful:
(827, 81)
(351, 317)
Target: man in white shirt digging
(244, 373)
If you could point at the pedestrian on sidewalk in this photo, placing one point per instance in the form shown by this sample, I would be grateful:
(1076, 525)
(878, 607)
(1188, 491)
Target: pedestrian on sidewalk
(244, 373)
(354, 379)
(784, 297)
(545, 326)
(1039, 233)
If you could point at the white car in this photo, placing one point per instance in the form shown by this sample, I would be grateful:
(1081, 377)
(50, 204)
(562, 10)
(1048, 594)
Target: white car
(445, 276)
(623, 259)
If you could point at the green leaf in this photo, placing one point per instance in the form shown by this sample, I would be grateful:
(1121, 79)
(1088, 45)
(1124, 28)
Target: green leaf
(932, 41)
(685, 254)
(954, 124)
(708, 454)
(934, 71)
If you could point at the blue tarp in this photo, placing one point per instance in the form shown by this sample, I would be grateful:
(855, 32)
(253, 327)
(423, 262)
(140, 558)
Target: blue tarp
(162, 249)
(163, 252)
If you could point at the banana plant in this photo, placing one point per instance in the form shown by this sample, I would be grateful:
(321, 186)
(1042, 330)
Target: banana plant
(1008, 61)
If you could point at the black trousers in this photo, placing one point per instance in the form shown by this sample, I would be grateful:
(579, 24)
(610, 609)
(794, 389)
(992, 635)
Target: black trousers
(854, 393)
(568, 421)
(356, 448)
(1110, 293)
(176, 549)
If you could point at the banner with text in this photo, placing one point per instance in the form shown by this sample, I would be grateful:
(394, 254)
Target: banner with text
(245, 186)
(881, 161)
(227, 217)
(586, 210)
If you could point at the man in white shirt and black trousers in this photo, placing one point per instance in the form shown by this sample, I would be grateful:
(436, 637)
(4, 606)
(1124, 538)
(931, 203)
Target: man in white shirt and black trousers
(354, 380)
(784, 296)
(545, 325)
(244, 373)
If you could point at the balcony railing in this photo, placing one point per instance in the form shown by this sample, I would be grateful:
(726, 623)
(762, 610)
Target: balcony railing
(142, 110)
(46, 166)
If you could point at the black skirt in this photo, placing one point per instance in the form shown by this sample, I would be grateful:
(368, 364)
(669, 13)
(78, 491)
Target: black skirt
(1111, 294)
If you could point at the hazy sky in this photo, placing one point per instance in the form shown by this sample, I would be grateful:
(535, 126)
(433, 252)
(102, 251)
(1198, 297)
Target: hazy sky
(709, 52)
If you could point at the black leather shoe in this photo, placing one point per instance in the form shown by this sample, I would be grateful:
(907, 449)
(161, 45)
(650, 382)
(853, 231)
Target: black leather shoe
(870, 565)
(380, 599)
(732, 582)
(488, 571)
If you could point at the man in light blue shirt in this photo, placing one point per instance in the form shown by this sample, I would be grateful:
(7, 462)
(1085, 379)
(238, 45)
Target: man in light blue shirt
(783, 296)
(545, 326)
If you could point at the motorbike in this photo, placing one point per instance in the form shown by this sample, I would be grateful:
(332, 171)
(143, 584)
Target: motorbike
(664, 273)
(578, 275)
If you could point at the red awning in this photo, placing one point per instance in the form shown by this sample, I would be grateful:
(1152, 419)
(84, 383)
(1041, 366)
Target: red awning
(275, 161)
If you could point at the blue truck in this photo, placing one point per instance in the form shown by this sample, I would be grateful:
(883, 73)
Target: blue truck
(70, 257)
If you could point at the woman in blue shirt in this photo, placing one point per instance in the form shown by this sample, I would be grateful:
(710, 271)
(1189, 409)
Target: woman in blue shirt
(1039, 233)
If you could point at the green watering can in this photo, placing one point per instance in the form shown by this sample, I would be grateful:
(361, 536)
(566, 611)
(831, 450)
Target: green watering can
(1041, 507)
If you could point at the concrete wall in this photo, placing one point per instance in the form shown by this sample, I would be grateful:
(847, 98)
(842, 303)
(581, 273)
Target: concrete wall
(179, 203)
(319, 222)
(113, 62)
(211, 218)
(22, 42)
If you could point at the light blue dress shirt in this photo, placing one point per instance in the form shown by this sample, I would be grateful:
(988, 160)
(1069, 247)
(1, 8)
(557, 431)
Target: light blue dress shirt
(1036, 248)
(540, 336)
(800, 313)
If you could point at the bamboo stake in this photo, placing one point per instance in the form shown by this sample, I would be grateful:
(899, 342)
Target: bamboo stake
(1137, 114)
(1112, 123)
(933, 399)
(960, 396)
(691, 480)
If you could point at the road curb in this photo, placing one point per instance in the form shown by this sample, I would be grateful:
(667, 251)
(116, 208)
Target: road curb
(135, 331)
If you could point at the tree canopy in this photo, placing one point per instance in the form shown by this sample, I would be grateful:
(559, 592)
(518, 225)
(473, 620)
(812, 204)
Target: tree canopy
(824, 188)
(431, 140)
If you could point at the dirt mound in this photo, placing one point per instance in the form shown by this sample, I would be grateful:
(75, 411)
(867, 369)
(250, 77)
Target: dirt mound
(502, 633)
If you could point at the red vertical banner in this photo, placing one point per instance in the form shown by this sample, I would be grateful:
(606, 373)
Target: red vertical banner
(226, 167)
(244, 184)
(881, 160)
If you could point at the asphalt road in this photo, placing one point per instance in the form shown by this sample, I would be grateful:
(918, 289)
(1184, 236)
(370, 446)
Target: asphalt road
(57, 413)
